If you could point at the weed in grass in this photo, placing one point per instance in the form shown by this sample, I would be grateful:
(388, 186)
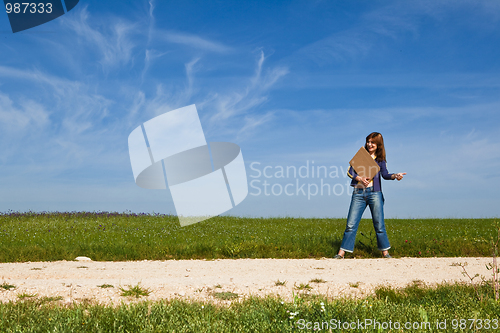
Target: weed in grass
(354, 284)
(106, 286)
(26, 295)
(302, 286)
(370, 238)
(225, 295)
(418, 283)
(471, 280)
(280, 283)
(47, 299)
(86, 301)
(423, 315)
(317, 281)
(7, 286)
(370, 246)
(495, 282)
(308, 297)
(218, 286)
(135, 291)
(493, 266)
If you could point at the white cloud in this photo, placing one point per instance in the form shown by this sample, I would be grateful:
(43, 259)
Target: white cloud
(114, 42)
(29, 115)
(150, 55)
(190, 70)
(137, 104)
(340, 47)
(252, 122)
(241, 101)
(193, 41)
(392, 21)
(71, 134)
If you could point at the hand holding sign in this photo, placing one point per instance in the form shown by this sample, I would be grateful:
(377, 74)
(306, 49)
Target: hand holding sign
(364, 165)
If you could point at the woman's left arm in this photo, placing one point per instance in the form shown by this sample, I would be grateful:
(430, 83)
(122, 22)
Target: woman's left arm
(383, 171)
(386, 175)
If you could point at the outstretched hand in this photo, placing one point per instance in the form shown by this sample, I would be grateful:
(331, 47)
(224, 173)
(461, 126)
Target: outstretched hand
(400, 175)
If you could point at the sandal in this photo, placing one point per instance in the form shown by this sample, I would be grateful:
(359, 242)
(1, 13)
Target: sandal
(338, 256)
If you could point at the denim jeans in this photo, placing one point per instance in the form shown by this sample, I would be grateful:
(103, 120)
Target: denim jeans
(361, 198)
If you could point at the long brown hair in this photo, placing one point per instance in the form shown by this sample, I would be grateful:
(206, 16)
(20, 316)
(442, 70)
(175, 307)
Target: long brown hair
(377, 138)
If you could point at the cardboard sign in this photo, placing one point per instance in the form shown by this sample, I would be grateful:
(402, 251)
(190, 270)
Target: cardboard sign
(364, 164)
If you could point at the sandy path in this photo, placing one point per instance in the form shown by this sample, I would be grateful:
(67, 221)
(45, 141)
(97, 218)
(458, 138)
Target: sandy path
(196, 279)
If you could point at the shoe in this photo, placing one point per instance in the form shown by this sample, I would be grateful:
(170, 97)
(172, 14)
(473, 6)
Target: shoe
(338, 257)
(388, 256)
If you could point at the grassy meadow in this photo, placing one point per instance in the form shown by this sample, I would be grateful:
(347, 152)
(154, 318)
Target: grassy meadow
(115, 237)
(416, 308)
(112, 236)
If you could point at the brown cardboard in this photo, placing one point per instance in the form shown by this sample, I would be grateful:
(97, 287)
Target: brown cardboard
(364, 164)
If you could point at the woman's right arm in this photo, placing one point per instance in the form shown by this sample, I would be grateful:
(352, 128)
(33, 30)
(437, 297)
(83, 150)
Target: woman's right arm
(352, 174)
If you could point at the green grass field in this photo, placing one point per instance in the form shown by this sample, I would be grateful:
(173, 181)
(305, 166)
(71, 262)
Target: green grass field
(113, 236)
(412, 309)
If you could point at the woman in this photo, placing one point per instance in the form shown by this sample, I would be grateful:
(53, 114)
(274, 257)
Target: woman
(368, 192)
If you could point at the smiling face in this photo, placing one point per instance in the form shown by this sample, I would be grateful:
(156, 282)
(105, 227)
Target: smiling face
(372, 146)
(375, 146)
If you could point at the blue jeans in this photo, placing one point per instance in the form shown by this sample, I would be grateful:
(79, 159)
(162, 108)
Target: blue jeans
(361, 198)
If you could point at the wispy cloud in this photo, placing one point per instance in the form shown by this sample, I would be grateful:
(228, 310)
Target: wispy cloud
(150, 55)
(113, 42)
(36, 76)
(435, 81)
(393, 21)
(75, 123)
(239, 107)
(74, 102)
(190, 70)
(251, 122)
(151, 17)
(28, 115)
(255, 93)
(169, 98)
(230, 108)
(339, 47)
(193, 41)
(358, 40)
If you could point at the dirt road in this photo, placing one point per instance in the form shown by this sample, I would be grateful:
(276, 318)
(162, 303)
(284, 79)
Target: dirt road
(199, 279)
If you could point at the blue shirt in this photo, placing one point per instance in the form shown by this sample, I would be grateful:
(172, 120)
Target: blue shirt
(377, 184)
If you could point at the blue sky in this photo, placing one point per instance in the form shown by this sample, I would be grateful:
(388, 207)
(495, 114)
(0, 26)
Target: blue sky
(293, 83)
